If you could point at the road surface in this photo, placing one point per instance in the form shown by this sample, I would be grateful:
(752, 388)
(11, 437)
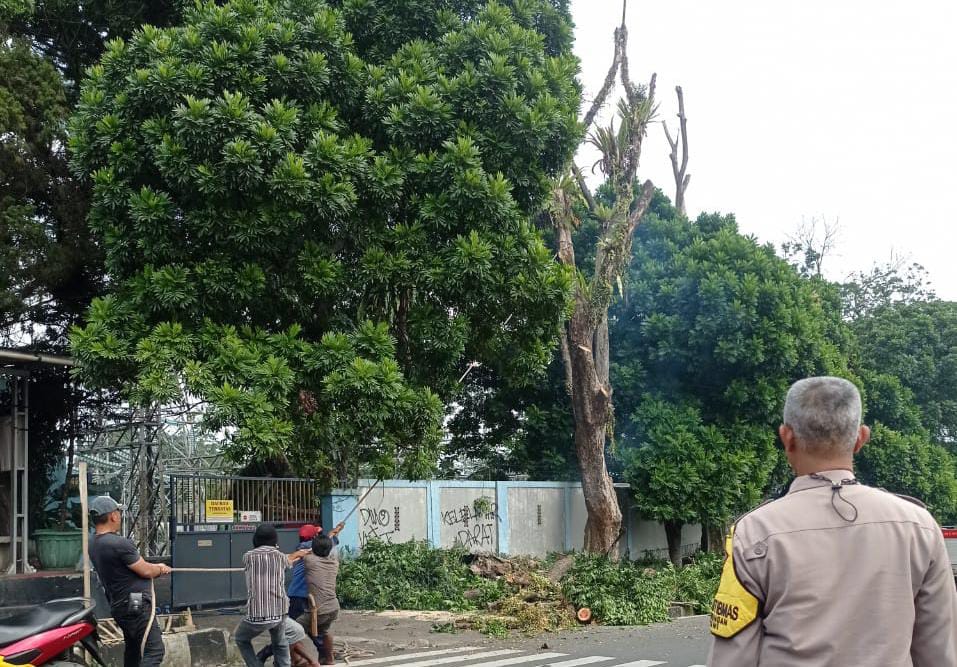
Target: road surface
(681, 643)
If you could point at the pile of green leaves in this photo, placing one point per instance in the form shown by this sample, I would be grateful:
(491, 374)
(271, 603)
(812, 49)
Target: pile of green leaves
(413, 576)
(636, 594)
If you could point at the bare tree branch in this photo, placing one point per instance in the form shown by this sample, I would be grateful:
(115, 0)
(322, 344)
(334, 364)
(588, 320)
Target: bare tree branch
(631, 91)
(682, 178)
(586, 193)
(684, 127)
(621, 38)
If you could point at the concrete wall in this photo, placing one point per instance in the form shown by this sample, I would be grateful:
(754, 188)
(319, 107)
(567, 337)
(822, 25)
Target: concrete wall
(647, 539)
(527, 518)
(468, 517)
(394, 515)
(537, 520)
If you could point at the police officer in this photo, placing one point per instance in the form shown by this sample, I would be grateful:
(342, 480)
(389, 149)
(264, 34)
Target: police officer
(125, 577)
(834, 572)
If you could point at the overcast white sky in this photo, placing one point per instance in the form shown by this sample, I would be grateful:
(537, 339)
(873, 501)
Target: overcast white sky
(836, 109)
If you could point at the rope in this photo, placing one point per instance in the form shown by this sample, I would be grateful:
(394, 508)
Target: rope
(361, 500)
(149, 625)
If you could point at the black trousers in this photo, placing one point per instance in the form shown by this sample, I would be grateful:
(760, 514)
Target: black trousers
(134, 626)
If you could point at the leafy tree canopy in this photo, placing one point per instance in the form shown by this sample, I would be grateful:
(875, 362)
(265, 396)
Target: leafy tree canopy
(315, 231)
(911, 465)
(916, 343)
(710, 315)
(687, 471)
(895, 282)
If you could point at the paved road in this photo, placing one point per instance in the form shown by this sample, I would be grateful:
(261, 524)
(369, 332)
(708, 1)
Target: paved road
(682, 643)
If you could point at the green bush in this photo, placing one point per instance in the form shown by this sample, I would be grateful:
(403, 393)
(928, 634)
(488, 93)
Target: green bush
(698, 582)
(617, 593)
(413, 576)
(637, 593)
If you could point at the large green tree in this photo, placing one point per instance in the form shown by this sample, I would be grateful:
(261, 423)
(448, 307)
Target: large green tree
(316, 214)
(911, 465)
(686, 471)
(916, 343)
(711, 332)
(50, 265)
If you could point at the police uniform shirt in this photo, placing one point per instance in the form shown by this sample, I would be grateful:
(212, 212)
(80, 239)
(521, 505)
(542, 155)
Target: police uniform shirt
(835, 574)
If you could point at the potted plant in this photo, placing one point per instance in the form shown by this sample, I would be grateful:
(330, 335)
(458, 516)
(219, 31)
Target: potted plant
(59, 546)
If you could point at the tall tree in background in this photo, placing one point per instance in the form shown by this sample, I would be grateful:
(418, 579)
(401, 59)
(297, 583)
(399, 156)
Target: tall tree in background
(316, 215)
(50, 265)
(713, 330)
(584, 341)
(894, 282)
(679, 153)
(53, 265)
(916, 343)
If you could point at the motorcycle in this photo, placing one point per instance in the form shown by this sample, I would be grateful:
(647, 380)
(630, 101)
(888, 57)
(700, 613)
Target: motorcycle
(50, 634)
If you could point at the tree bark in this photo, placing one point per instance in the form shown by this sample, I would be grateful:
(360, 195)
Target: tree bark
(673, 534)
(602, 351)
(679, 167)
(584, 341)
(715, 537)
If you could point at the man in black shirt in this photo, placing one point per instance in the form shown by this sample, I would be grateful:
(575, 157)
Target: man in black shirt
(125, 576)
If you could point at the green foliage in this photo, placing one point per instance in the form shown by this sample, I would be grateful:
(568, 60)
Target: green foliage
(917, 344)
(43, 252)
(617, 594)
(636, 594)
(698, 582)
(492, 626)
(887, 401)
(712, 316)
(911, 465)
(296, 217)
(712, 331)
(883, 285)
(686, 471)
(413, 576)
(50, 267)
(511, 428)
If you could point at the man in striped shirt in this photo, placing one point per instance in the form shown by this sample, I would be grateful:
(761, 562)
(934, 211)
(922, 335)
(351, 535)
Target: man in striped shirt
(267, 603)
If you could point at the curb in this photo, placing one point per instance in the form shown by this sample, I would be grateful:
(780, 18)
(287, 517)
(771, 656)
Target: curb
(208, 647)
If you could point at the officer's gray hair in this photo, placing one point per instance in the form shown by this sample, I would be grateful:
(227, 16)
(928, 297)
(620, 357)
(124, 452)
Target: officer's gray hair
(825, 414)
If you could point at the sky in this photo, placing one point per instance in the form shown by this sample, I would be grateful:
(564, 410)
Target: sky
(839, 110)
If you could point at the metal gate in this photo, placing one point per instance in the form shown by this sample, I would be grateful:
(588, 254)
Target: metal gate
(199, 540)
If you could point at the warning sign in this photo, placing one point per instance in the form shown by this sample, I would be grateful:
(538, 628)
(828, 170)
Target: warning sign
(219, 511)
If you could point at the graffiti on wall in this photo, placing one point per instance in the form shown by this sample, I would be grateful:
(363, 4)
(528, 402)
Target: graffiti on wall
(378, 524)
(475, 524)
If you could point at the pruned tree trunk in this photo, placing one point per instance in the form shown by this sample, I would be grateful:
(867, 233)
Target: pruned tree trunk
(716, 538)
(584, 343)
(673, 535)
(679, 166)
(591, 407)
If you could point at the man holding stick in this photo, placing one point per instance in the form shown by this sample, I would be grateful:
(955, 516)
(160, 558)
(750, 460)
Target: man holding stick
(126, 579)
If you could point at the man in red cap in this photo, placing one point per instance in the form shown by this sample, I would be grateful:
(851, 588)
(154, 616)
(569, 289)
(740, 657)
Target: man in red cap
(298, 591)
(298, 588)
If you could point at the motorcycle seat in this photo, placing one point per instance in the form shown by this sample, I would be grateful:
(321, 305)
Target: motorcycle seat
(39, 619)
